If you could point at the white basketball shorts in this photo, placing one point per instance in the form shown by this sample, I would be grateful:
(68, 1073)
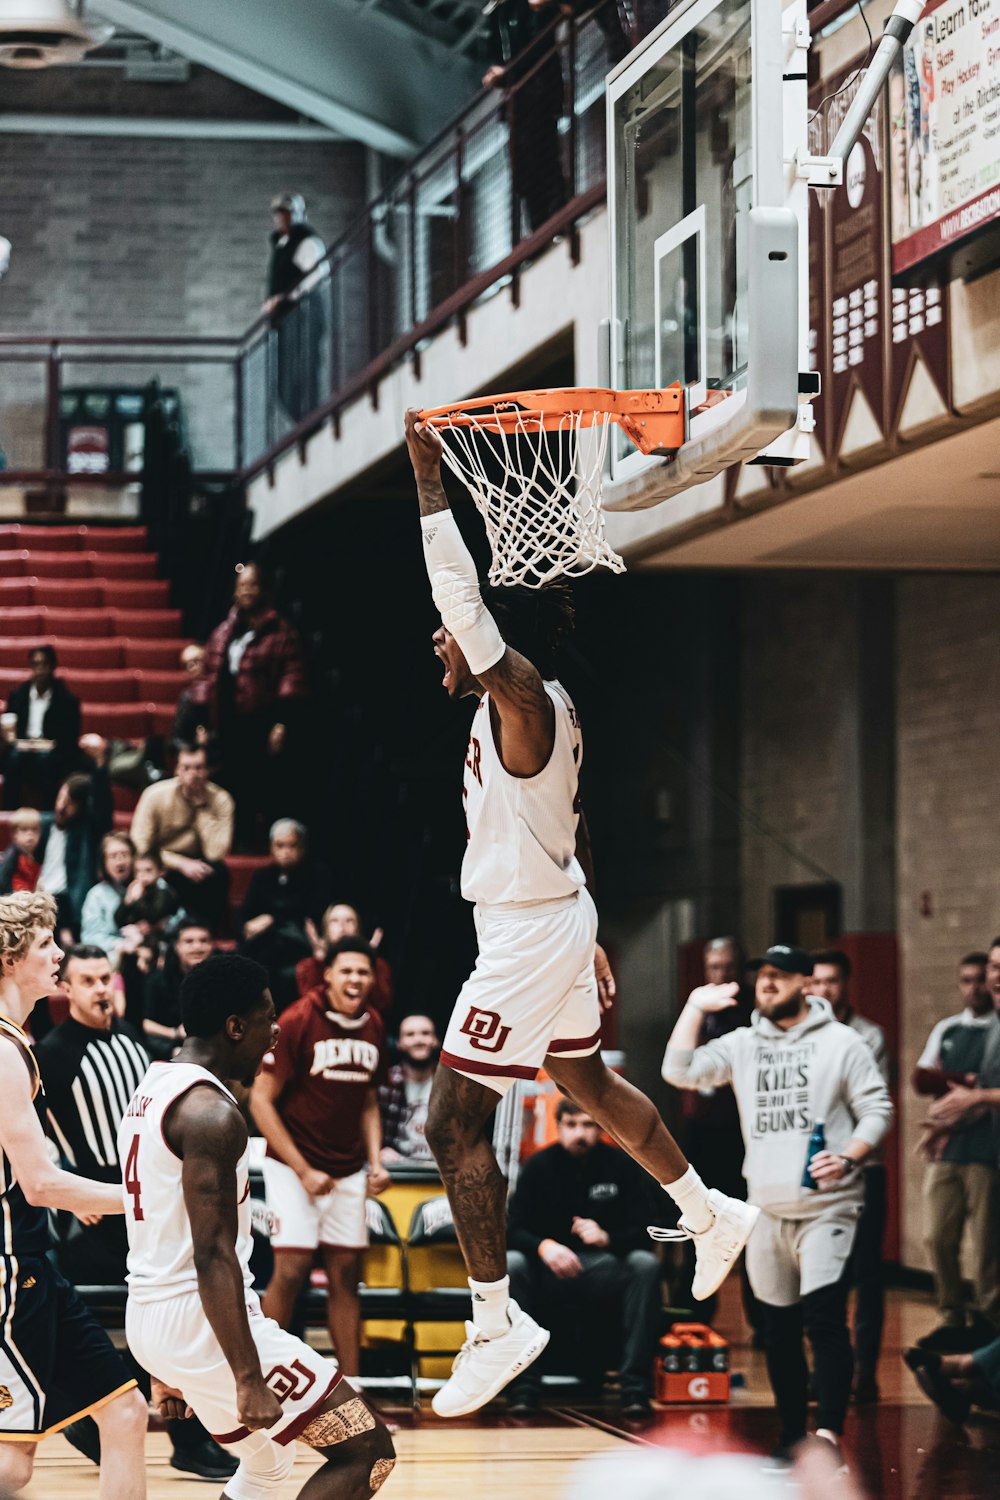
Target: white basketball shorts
(531, 994)
(302, 1222)
(174, 1341)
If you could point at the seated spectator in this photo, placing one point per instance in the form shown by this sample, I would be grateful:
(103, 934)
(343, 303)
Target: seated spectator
(958, 1382)
(44, 748)
(19, 869)
(99, 925)
(188, 821)
(962, 1184)
(162, 1021)
(405, 1095)
(253, 685)
(149, 901)
(91, 1066)
(281, 898)
(69, 848)
(339, 921)
(578, 1248)
(190, 726)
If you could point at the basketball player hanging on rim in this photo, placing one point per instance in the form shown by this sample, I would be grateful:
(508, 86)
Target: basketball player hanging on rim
(535, 994)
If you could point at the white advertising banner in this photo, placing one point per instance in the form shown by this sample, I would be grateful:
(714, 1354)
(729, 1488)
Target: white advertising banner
(944, 129)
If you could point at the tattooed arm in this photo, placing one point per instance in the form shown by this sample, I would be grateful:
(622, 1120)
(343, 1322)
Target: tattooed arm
(425, 449)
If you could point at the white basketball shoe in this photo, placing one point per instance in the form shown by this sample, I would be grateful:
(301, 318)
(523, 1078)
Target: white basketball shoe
(484, 1366)
(717, 1248)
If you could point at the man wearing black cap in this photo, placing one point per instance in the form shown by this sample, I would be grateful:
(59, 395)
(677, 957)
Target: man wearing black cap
(298, 291)
(793, 1067)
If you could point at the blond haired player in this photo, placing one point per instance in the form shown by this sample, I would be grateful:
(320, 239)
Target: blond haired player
(533, 995)
(192, 1319)
(56, 1362)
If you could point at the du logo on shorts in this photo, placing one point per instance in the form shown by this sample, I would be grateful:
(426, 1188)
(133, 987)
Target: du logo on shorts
(484, 1030)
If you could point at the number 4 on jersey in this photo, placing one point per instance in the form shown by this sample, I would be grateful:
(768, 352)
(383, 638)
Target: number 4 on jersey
(132, 1184)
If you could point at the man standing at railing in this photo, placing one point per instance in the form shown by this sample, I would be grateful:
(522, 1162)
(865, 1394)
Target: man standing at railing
(297, 294)
(528, 67)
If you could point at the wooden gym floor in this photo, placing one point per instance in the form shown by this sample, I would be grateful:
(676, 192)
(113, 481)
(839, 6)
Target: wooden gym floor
(901, 1449)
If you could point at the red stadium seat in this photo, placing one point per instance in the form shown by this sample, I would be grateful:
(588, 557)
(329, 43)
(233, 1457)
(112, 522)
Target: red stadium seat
(101, 686)
(121, 820)
(75, 622)
(86, 655)
(140, 593)
(16, 593)
(6, 834)
(160, 687)
(241, 868)
(124, 799)
(22, 622)
(68, 593)
(14, 564)
(43, 538)
(10, 678)
(151, 623)
(50, 565)
(161, 717)
(156, 655)
(114, 538)
(123, 564)
(117, 721)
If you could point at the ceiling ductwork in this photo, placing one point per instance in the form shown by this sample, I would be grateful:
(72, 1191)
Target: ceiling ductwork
(43, 33)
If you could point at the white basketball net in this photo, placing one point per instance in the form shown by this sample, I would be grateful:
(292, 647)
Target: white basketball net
(538, 492)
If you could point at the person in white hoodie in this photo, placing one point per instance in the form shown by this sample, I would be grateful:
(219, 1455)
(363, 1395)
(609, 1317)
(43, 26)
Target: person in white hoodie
(793, 1067)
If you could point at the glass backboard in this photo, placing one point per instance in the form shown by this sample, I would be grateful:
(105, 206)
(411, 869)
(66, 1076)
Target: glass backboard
(695, 148)
(681, 141)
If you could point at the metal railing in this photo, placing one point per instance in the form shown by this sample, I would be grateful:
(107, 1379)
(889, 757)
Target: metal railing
(519, 166)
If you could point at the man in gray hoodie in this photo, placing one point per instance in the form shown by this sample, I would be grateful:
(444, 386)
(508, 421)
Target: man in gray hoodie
(794, 1066)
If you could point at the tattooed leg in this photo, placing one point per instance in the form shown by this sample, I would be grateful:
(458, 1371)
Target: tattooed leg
(356, 1445)
(456, 1133)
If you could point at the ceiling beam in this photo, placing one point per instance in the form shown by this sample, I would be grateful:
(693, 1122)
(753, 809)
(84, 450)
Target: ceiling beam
(364, 74)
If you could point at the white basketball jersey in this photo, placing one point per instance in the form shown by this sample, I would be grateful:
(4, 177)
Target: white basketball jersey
(160, 1247)
(522, 829)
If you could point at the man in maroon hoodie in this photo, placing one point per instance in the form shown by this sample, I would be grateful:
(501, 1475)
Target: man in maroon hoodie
(254, 685)
(316, 1104)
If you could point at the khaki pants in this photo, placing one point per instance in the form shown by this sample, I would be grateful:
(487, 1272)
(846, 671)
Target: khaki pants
(956, 1194)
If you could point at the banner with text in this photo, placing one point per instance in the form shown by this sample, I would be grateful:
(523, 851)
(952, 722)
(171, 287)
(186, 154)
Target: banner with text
(944, 129)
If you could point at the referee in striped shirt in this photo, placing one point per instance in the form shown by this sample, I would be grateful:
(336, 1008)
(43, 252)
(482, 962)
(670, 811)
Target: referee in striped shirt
(91, 1066)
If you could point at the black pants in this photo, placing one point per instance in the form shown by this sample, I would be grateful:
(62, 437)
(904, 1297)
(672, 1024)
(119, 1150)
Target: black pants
(867, 1276)
(628, 1283)
(207, 899)
(822, 1317)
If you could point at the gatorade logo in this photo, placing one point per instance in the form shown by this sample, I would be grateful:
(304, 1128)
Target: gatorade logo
(698, 1388)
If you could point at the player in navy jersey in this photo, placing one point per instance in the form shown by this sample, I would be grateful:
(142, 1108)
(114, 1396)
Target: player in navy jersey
(535, 994)
(56, 1362)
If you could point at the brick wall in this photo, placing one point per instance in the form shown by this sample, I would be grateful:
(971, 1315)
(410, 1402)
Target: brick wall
(798, 725)
(948, 800)
(113, 235)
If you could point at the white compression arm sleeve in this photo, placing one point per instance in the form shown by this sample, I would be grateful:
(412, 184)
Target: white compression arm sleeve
(455, 588)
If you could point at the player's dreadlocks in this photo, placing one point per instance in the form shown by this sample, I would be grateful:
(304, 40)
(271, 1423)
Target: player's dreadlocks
(535, 622)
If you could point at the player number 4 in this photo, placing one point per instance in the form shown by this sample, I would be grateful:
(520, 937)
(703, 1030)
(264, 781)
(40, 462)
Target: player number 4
(132, 1185)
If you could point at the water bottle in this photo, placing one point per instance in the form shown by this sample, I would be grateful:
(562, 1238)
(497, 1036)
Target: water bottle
(817, 1143)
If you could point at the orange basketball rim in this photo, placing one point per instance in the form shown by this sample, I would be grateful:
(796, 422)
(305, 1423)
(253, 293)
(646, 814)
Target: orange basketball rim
(653, 420)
